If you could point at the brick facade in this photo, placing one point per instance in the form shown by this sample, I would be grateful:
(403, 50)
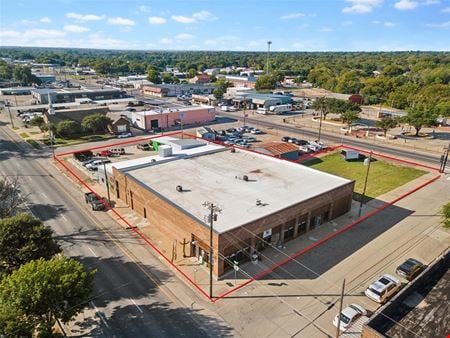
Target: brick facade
(179, 225)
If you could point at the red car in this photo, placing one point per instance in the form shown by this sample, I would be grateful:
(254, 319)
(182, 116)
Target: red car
(105, 153)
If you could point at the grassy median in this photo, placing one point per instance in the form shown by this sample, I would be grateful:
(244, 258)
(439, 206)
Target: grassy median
(383, 176)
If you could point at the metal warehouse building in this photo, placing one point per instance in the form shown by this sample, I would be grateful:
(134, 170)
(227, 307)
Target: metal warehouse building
(263, 199)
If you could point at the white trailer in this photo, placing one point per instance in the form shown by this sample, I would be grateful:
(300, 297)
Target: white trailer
(280, 109)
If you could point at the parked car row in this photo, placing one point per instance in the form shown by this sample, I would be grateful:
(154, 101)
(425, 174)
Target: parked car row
(305, 146)
(381, 290)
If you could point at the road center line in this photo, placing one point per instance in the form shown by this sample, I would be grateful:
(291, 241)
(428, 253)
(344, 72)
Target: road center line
(92, 251)
(100, 315)
(136, 305)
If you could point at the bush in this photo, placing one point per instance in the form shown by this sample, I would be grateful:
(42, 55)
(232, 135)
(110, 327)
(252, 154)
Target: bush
(68, 128)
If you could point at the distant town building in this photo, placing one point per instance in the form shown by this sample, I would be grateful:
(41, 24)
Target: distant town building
(169, 117)
(162, 90)
(40, 95)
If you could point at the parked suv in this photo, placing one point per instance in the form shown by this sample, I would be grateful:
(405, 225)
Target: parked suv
(94, 201)
(144, 146)
(410, 269)
(383, 288)
(95, 164)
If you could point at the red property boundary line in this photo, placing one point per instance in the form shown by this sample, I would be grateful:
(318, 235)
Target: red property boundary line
(275, 266)
(142, 236)
(326, 239)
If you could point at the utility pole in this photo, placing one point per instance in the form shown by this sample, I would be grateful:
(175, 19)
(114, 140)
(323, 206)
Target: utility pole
(268, 55)
(363, 196)
(320, 124)
(444, 158)
(211, 217)
(107, 183)
(10, 117)
(338, 330)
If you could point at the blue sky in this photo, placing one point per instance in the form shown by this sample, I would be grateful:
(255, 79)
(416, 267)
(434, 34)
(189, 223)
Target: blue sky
(292, 25)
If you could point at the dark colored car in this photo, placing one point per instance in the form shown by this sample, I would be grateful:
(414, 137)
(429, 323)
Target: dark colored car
(300, 142)
(285, 139)
(94, 201)
(410, 269)
(231, 130)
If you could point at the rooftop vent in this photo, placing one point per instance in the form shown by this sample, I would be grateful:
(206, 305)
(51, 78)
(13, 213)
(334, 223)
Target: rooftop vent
(245, 178)
(179, 188)
(233, 150)
(152, 160)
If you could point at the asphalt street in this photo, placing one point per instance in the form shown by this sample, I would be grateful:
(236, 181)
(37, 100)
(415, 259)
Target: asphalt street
(333, 138)
(130, 299)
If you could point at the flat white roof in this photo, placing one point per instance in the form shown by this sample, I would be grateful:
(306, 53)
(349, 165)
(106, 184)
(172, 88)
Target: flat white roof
(177, 109)
(218, 177)
(156, 159)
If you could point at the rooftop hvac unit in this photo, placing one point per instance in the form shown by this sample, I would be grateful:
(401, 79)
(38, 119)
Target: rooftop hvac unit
(245, 178)
(179, 188)
(164, 151)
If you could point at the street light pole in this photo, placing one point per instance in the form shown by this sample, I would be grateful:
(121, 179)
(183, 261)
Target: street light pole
(107, 183)
(341, 301)
(320, 124)
(212, 216)
(363, 196)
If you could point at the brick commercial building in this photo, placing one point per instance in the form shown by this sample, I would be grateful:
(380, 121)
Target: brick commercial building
(170, 117)
(264, 200)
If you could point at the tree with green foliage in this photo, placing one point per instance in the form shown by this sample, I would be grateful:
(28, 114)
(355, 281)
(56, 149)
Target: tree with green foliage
(420, 115)
(67, 128)
(221, 88)
(22, 239)
(328, 105)
(321, 77)
(266, 82)
(192, 72)
(376, 89)
(153, 75)
(23, 75)
(96, 122)
(37, 121)
(42, 291)
(400, 97)
(6, 72)
(349, 82)
(348, 117)
(446, 215)
(386, 124)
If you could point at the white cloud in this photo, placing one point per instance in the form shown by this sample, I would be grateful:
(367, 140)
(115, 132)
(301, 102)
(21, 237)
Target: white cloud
(327, 29)
(204, 16)
(156, 20)
(445, 10)
(84, 17)
(431, 2)
(195, 17)
(361, 6)
(292, 16)
(119, 21)
(347, 23)
(45, 19)
(406, 5)
(184, 36)
(144, 9)
(183, 19)
(439, 25)
(76, 29)
(165, 41)
(384, 23)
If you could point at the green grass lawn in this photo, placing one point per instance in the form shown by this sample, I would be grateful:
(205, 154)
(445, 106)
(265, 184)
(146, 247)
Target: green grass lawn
(78, 140)
(34, 144)
(24, 135)
(383, 176)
